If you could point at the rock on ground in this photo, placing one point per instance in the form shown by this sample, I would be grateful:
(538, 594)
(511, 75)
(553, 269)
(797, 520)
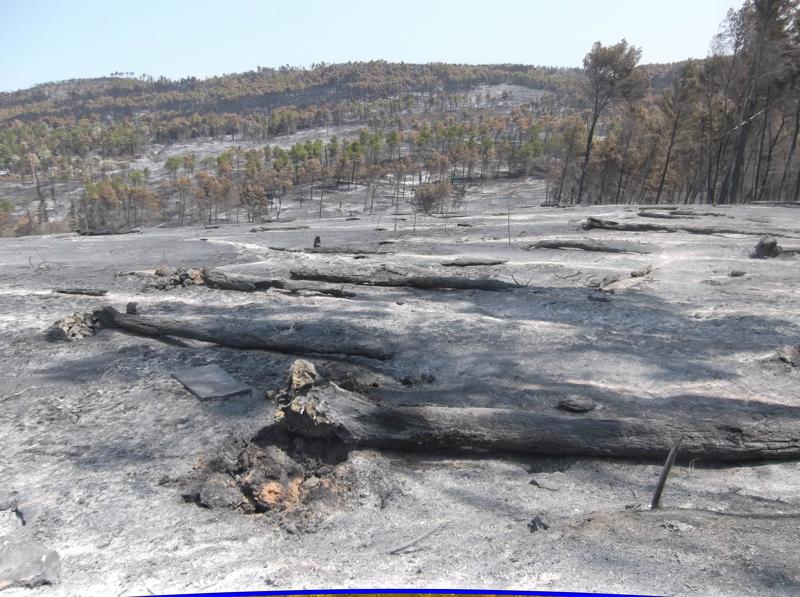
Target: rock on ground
(27, 564)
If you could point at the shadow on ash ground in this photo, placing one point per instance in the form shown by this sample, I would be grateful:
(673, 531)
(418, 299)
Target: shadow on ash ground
(98, 440)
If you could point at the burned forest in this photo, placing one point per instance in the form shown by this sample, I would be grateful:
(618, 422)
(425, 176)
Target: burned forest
(407, 325)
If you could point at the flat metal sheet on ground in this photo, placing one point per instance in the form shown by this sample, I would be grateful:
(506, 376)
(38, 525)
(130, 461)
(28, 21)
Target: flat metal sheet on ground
(210, 381)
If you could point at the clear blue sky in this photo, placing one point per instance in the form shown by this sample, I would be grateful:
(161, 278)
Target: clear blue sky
(47, 40)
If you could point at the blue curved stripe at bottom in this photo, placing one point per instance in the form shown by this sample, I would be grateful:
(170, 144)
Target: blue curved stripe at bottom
(403, 592)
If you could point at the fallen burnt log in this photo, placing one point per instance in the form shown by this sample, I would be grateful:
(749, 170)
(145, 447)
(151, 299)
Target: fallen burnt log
(673, 215)
(165, 278)
(600, 224)
(588, 244)
(386, 278)
(83, 291)
(473, 262)
(691, 212)
(271, 228)
(224, 281)
(107, 231)
(343, 251)
(321, 338)
(330, 251)
(215, 278)
(678, 214)
(330, 411)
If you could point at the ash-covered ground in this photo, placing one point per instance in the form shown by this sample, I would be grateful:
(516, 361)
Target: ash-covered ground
(98, 438)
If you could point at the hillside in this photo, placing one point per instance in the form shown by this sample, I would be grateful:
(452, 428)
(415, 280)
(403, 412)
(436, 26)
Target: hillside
(265, 89)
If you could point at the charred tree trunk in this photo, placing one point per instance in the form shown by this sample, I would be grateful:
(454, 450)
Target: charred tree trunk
(790, 155)
(588, 151)
(328, 410)
(588, 244)
(600, 224)
(768, 165)
(243, 283)
(672, 135)
(299, 339)
(384, 278)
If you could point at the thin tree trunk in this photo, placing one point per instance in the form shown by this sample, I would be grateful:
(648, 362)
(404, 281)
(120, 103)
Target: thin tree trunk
(768, 166)
(792, 147)
(587, 154)
(669, 155)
